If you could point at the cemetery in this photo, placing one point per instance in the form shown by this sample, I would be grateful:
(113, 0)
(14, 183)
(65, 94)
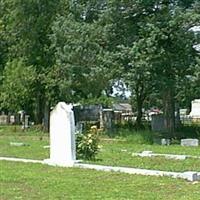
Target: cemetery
(115, 156)
(100, 100)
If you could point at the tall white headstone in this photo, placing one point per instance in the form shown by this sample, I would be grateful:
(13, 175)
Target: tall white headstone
(195, 111)
(62, 136)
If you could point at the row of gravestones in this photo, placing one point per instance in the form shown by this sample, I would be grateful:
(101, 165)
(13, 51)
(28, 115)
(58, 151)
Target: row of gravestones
(157, 122)
(184, 142)
(62, 136)
(95, 115)
(107, 117)
(17, 119)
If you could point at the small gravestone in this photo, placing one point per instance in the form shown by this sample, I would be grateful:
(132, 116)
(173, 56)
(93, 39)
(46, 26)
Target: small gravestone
(12, 119)
(107, 117)
(157, 123)
(4, 119)
(190, 142)
(183, 112)
(62, 136)
(21, 114)
(17, 118)
(26, 121)
(18, 144)
(195, 111)
(165, 141)
(79, 127)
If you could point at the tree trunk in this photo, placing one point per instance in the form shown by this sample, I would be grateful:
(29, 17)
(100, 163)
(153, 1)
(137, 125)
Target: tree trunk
(46, 116)
(39, 109)
(177, 117)
(169, 111)
(138, 123)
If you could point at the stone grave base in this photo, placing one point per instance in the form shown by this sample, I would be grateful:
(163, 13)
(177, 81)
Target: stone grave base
(189, 176)
(168, 156)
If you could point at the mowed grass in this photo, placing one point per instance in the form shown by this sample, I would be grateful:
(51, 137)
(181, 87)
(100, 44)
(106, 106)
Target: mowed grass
(119, 153)
(114, 152)
(34, 143)
(37, 181)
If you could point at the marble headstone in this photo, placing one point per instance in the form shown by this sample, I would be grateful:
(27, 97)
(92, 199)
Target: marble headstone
(190, 142)
(62, 136)
(195, 111)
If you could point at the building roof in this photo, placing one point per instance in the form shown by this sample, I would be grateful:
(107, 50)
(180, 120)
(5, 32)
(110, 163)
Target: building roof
(126, 107)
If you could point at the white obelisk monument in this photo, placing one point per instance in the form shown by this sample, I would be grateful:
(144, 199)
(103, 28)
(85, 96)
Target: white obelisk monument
(62, 136)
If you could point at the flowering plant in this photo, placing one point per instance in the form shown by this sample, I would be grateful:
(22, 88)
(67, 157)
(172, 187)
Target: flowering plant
(87, 144)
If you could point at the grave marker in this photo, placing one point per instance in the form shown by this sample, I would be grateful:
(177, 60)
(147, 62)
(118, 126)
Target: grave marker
(195, 112)
(62, 136)
(190, 142)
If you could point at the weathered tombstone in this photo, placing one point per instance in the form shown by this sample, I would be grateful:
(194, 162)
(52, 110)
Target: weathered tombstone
(190, 142)
(26, 121)
(12, 119)
(117, 117)
(17, 118)
(4, 119)
(108, 116)
(87, 115)
(18, 144)
(62, 136)
(165, 141)
(183, 115)
(22, 115)
(157, 123)
(79, 127)
(195, 111)
(183, 112)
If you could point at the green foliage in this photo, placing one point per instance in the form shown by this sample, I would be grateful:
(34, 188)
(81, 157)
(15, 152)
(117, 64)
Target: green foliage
(189, 89)
(80, 48)
(28, 25)
(161, 56)
(17, 88)
(102, 100)
(189, 131)
(82, 60)
(87, 144)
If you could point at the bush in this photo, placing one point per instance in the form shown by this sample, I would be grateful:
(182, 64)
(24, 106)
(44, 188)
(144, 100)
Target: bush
(87, 144)
(186, 131)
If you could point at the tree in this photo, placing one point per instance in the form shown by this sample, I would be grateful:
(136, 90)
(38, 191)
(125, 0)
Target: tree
(82, 69)
(3, 35)
(17, 87)
(178, 58)
(138, 74)
(28, 27)
(156, 48)
(188, 88)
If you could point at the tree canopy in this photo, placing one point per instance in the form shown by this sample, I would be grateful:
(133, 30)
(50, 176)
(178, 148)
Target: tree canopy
(75, 51)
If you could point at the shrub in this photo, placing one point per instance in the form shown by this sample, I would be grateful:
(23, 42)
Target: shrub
(87, 144)
(186, 131)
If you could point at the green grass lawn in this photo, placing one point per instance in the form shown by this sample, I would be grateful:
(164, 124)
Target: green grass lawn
(36, 181)
(34, 141)
(116, 152)
(120, 154)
